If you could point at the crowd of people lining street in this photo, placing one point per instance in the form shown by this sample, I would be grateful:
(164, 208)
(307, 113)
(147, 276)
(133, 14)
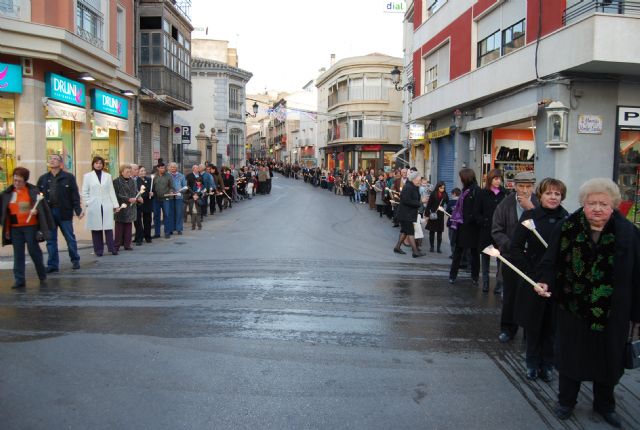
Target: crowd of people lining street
(133, 208)
(584, 266)
(583, 310)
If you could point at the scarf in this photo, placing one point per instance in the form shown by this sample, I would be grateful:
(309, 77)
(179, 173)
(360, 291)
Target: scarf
(586, 270)
(456, 216)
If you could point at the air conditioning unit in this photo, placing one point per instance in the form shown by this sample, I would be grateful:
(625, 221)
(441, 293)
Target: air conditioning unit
(478, 113)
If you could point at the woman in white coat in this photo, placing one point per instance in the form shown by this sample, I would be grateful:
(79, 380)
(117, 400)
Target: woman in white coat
(100, 200)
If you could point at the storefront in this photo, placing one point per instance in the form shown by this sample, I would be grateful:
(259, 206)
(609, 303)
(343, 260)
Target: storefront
(627, 164)
(66, 111)
(445, 156)
(110, 120)
(10, 85)
(308, 156)
(513, 150)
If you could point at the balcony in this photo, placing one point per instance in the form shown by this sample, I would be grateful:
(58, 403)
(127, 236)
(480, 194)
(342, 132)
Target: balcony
(343, 133)
(585, 8)
(10, 8)
(358, 95)
(164, 82)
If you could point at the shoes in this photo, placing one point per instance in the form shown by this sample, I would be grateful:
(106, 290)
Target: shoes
(52, 269)
(485, 285)
(18, 285)
(193, 227)
(128, 249)
(546, 374)
(610, 417)
(114, 252)
(431, 249)
(75, 266)
(98, 255)
(562, 412)
(199, 227)
(452, 281)
(157, 236)
(43, 282)
(396, 225)
(398, 251)
(439, 251)
(418, 254)
(474, 282)
(167, 236)
(532, 374)
(505, 337)
(498, 288)
(148, 240)
(179, 233)
(138, 243)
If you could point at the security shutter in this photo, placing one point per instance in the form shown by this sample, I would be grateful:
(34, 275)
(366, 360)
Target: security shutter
(445, 162)
(164, 143)
(145, 156)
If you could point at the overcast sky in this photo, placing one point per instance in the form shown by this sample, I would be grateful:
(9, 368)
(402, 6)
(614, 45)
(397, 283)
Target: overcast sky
(284, 43)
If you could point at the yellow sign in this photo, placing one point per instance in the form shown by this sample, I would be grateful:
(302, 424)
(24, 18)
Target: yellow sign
(439, 133)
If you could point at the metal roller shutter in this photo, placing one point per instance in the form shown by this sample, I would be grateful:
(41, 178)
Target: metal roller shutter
(145, 156)
(164, 144)
(445, 162)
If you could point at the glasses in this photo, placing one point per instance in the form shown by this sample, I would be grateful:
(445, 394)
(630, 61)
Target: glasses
(597, 205)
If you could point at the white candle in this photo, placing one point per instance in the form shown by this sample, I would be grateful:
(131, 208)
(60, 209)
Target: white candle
(39, 198)
(441, 209)
(531, 225)
(490, 250)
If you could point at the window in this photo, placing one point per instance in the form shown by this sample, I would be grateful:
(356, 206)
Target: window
(513, 37)
(431, 79)
(89, 22)
(357, 128)
(234, 98)
(489, 49)
(433, 6)
(121, 22)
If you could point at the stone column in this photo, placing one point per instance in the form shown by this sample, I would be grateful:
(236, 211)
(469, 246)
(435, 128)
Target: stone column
(202, 140)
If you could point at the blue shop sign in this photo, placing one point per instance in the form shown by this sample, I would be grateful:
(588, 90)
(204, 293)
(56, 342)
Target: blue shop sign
(10, 78)
(65, 90)
(104, 102)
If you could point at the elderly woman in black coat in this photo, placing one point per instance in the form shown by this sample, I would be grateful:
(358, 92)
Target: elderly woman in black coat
(592, 270)
(532, 312)
(464, 222)
(408, 214)
(488, 199)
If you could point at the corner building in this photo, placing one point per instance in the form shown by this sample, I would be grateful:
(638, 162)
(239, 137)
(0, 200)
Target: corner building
(495, 89)
(64, 68)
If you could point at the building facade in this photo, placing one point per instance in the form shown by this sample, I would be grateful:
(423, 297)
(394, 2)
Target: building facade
(64, 69)
(164, 68)
(360, 114)
(219, 102)
(496, 89)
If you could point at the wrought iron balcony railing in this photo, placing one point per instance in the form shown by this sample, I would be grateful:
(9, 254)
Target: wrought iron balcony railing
(589, 7)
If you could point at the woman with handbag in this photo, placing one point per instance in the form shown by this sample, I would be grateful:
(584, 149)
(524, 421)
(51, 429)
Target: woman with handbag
(408, 214)
(488, 199)
(592, 270)
(125, 189)
(435, 224)
(463, 221)
(26, 220)
(379, 187)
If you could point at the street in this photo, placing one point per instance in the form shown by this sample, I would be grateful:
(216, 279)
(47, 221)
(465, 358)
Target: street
(288, 311)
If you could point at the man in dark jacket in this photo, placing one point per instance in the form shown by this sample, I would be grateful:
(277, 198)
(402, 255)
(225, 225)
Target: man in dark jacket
(60, 191)
(505, 220)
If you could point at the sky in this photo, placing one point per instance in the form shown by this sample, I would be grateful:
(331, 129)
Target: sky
(284, 43)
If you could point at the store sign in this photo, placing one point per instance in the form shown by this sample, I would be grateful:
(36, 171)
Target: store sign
(10, 78)
(104, 102)
(65, 90)
(439, 133)
(185, 131)
(416, 131)
(629, 116)
(589, 124)
(371, 147)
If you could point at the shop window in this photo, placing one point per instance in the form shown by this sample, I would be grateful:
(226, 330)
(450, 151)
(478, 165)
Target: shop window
(629, 174)
(489, 49)
(513, 37)
(357, 127)
(104, 143)
(7, 149)
(513, 149)
(60, 140)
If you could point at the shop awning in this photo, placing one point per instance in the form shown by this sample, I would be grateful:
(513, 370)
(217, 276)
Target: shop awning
(398, 154)
(65, 111)
(112, 122)
(513, 115)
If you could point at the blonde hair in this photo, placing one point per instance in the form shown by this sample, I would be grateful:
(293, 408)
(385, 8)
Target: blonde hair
(600, 185)
(123, 167)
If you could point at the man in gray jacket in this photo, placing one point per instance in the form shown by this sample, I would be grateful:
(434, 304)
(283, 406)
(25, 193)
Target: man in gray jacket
(162, 192)
(505, 221)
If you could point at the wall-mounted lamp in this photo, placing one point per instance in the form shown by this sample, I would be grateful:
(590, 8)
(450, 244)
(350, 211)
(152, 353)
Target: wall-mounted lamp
(86, 77)
(127, 93)
(395, 78)
(457, 117)
(557, 121)
(255, 110)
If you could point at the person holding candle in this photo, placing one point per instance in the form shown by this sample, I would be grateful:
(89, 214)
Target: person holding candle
(24, 217)
(489, 198)
(504, 223)
(408, 213)
(177, 203)
(126, 192)
(162, 190)
(535, 314)
(435, 224)
(592, 271)
(464, 222)
(145, 208)
(100, 201)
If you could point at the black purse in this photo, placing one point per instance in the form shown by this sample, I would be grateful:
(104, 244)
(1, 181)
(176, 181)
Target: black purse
(632, 351)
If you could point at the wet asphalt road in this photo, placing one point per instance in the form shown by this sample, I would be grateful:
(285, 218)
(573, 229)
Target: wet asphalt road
(287, 311)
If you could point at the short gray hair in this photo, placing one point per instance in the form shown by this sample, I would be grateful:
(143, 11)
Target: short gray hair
(600, 185)
(413, 175)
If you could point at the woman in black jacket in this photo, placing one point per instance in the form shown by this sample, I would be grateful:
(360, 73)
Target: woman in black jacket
(145, 208)
(532, 312)
(488, 199)
(408, 214)
(463, 221)
(435, 225)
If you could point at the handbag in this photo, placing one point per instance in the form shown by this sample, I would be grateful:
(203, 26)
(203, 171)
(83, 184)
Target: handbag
(417, 228)
(433, 216)
(632, 351)
(39, 236)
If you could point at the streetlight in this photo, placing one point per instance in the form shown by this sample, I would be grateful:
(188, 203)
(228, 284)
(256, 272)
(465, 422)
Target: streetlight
(395, 78)
(255, 110)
